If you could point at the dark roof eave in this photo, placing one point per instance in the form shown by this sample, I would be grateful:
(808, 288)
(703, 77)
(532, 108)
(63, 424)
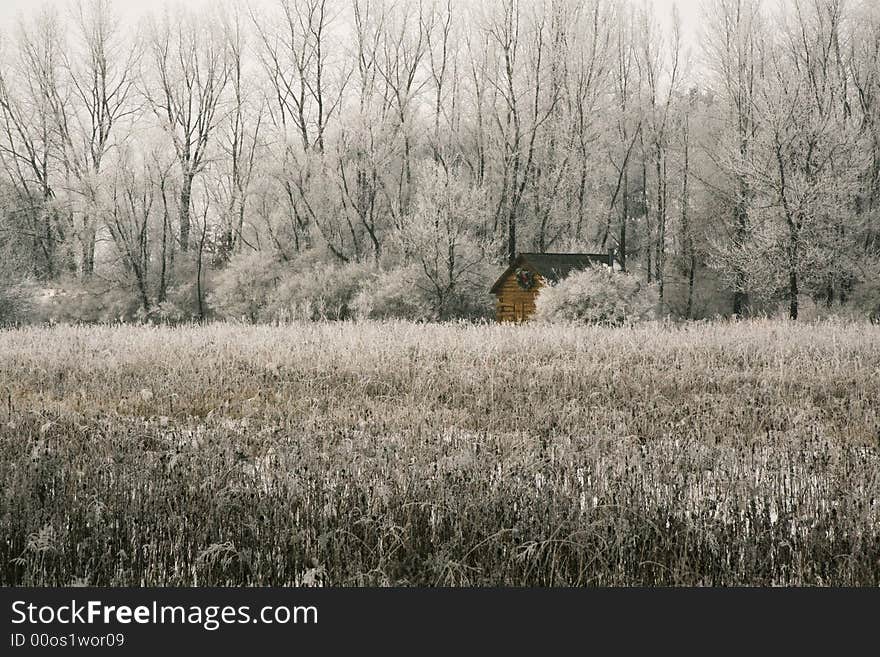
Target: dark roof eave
(547, 268)
(506, 273)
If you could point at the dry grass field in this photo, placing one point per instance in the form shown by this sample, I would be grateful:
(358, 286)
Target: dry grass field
(400, 454)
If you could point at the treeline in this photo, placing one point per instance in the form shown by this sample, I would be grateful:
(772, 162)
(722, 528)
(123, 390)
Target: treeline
(316, 158)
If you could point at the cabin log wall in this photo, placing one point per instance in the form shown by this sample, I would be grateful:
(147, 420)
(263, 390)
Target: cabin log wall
(511, 297)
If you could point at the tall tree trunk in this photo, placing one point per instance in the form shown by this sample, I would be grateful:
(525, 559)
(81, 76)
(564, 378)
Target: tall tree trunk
(511, 235)
(88, 248)
(623, 219)
(687, 234)
(163, 271)
(200, 291)
(185, 204)
(740, 298)
(660, 244)
(741, 228)
(582, 189)
(649, 267)
(793, 258)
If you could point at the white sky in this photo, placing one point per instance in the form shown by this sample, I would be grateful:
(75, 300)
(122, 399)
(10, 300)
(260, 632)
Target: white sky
(9, 9)
(689, 14)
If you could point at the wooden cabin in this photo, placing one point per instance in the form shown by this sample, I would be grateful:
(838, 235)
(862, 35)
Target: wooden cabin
(518, 287)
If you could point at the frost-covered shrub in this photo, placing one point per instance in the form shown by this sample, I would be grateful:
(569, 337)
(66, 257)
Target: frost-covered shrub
(865, 299)
(242, 289)
(441, 235)
(167, 313)
(73, 301)
(394, 294)
(260, 287)
(321, 291)
(407, 293)
(15, 303)
(597, 295)
(471, 300)
(468, 299)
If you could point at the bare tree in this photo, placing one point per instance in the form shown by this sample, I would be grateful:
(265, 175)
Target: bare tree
(240, 137)
(438, 235)
(402, 46)
(305, 95)
(655, 73)
(190, 72)
(100, 68)
(29, 97)
(627, 126)
(804, 108)
(587, 80)
(367, 143)
(441, 45)
(863, 61)
(129, 216)
(296, 57)
(687, 231)
(522, 107)
(732, 44)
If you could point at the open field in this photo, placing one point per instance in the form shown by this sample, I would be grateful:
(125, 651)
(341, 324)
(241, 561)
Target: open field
(376, 454)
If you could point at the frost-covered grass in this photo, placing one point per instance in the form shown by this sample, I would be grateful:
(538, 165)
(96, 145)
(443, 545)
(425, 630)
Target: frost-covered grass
(395, 453)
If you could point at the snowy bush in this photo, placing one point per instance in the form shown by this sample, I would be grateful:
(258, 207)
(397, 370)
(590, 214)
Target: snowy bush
(597, 295)
(322, 291)
(394, 295)
(242, 289)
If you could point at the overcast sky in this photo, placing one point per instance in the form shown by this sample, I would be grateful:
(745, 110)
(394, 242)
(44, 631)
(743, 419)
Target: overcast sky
(9, 9)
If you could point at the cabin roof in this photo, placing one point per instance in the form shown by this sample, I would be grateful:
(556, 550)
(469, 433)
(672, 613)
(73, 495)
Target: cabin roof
(552, 267)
